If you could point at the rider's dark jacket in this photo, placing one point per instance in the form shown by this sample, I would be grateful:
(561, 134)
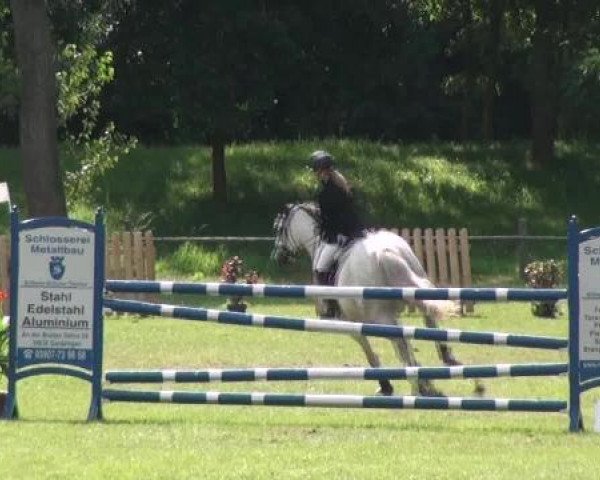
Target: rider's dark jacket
(339, 214)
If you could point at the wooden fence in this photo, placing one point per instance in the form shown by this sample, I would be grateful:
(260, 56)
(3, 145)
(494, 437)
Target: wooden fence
(445, 255)
(129, 256)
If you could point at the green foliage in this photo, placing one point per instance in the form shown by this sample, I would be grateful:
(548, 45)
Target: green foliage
(84, 74)
(9, 82)
(191, 261)
(581, 102)
(384, 70)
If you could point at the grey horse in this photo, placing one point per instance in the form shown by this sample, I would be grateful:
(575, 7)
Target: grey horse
(382, 258)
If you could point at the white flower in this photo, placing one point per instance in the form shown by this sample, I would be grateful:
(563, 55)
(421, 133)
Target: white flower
(5, 321)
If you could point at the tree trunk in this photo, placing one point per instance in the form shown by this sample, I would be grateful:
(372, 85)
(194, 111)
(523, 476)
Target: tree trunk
(465, 107)
(42, 176)
(544, 89)
(469, 72)
(218, 169)
(491, 62)
(489, 100)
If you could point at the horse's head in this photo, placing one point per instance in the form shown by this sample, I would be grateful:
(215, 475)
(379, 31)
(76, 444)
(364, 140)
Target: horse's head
(284, 248)
(293, 231)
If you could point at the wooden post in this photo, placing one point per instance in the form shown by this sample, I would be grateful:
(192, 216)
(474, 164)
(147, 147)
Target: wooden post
(127, 256)
(150, 263)
(150, 256)
(465, 260)
(522, 251)
(453, 255)
(115, 260)
(407, 236)
(417, 244)
(138, 270)
(430, 256)
(442, 260)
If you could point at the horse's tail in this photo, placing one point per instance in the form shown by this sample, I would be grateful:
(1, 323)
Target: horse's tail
(399, 274)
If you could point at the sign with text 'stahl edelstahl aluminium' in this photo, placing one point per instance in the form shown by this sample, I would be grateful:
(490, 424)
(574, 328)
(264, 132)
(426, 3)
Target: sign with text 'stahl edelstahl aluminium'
(56, 296)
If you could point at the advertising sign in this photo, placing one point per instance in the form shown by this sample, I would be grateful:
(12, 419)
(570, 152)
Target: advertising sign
(56, 286)
(589, 305)
(55, 315)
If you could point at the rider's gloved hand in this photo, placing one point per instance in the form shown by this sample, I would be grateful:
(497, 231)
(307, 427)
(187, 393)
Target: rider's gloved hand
(342, 240)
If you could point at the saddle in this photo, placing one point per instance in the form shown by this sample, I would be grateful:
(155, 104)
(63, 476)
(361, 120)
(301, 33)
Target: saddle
(331, 307)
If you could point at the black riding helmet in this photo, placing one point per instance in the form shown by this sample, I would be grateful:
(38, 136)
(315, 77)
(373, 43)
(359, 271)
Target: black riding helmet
(320, 159)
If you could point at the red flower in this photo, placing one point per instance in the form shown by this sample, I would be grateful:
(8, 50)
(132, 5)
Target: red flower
(3, 295)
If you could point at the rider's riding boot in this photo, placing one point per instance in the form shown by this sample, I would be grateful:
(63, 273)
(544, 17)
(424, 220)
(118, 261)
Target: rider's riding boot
(330, 309)
(322, 278)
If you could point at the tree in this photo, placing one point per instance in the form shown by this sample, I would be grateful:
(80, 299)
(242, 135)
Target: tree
(473, 43)
(38, 123)
(544, 89)
(215, 71)
(494, 23)
(59, 98)
(564, 36)
(9, 81)
(213, 68)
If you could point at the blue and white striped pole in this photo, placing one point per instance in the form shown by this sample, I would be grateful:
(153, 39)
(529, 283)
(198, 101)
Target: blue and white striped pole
(336, 326)
(334, 373)
(313, 291)
(339, 401)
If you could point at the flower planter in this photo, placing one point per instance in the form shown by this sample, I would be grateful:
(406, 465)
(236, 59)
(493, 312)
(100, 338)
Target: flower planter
(230, 272)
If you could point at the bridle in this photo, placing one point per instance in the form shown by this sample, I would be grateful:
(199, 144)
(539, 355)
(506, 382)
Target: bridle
(286, 245)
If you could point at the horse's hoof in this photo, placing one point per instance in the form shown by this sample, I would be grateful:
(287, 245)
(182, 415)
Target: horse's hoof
(431, 392)
(479, 389)
(385, 392)
(426, 389)
(452, 362)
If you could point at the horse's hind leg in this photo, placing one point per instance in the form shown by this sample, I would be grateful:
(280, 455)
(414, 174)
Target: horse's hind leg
(406, 354)
(446, 355)
(385, 386)
(443, 349)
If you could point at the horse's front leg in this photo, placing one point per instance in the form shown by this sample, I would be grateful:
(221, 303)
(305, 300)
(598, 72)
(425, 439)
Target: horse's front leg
(406, 354)
(448, 358)
(385, 386)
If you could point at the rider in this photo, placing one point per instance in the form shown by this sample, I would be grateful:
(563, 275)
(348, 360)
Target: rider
(340, 220)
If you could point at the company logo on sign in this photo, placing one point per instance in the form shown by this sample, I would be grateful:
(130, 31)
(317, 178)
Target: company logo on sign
(57, 267)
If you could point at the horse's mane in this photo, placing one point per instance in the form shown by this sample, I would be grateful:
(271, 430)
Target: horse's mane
(311, 208)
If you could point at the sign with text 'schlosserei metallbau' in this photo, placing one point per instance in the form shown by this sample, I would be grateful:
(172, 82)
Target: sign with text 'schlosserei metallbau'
(56, 303)
(584, 313)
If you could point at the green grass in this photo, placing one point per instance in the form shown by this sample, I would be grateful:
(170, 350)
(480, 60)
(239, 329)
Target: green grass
(168, 441)
(485, 188)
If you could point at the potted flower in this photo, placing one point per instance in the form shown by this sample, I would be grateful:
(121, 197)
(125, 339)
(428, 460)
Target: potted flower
(544, 274)
(231, 271)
